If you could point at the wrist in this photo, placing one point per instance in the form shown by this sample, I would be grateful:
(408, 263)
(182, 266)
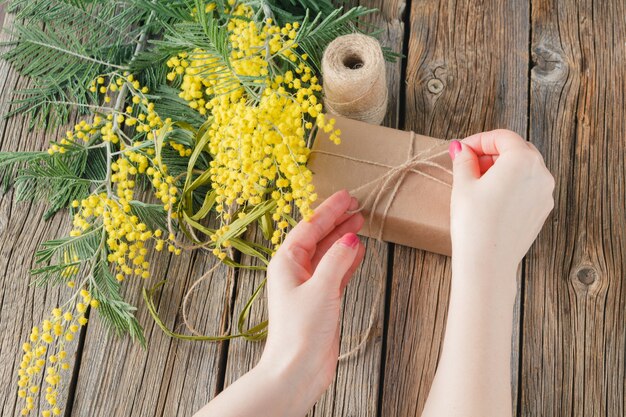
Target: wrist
(485, 275)
(287, 380)
(268, 390)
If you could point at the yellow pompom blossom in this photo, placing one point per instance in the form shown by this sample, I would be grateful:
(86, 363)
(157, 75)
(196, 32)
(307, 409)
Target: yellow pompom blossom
(126, 235)
(82, 131)
(258, 135)
(45, 353)
(140, 113)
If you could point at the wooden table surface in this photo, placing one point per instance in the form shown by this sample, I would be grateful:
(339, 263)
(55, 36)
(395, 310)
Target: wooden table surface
(553, 71)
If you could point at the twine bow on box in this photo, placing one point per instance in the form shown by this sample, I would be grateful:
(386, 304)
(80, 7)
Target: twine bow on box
(392, 180)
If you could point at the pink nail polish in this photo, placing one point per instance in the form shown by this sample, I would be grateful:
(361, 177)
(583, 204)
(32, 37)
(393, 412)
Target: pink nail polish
(454, 149)
(350, 240)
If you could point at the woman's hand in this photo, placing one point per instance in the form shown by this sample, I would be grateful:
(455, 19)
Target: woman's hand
(305, 282)
(501, 197)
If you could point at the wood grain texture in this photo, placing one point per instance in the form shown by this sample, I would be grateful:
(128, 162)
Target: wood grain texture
(355, 390)
(2, 15)
(467, 71)
(22, 230)
(574, 328)
(170, 377)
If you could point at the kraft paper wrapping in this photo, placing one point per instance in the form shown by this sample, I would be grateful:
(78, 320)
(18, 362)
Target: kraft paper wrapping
(419, 214)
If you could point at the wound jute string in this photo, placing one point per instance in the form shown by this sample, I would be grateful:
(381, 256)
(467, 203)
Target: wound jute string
(354, 80)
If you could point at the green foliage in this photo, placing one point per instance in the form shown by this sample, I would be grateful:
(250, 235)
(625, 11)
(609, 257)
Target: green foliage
(152, 215)
(59, 256)
(11, 161)
(169, 104)
(60, 179)
(315, 34)
(286, 11)
(89, 251)
(166, 11)
(116, 313)
(84, 247)
(62, 46)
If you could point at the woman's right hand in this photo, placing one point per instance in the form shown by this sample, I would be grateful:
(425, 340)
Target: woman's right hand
(501, 196)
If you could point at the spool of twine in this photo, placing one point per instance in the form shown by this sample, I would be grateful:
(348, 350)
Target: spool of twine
(354, 79)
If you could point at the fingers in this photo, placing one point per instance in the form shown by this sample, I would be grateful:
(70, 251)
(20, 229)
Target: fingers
(354, 204)
(355, 265)
(465, 163)
(485, 162)
(352, 224)
(337, 262)
(291, 264)
(495, 142)
(307, 234)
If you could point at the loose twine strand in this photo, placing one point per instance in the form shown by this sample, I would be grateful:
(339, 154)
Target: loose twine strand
(198, 281)
(390, 180)
(394, 175)
(354, 79)
(355, 86)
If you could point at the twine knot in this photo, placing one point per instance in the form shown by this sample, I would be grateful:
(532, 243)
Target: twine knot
(392, 180)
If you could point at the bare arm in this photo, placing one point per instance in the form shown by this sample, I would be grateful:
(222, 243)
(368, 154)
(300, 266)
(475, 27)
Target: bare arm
(501, 197)
(473, 377)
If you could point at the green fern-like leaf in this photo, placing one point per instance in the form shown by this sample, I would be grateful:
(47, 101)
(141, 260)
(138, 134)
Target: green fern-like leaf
(118, 315)
(10, 163)
(57, 181)
(168, 104)
(62, 46)
(152, 215)
(288, 11)
(84, 247)
(315, 35)
(61, 259)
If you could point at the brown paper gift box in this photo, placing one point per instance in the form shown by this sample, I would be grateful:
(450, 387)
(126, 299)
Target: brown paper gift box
(419, 214)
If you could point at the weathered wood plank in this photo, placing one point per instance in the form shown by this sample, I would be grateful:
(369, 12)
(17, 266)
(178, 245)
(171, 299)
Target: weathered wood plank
(170, 377)
(22, 230)
(574, 328)
(355, 390)
(467, 72)
(2, 15)
(118, 377)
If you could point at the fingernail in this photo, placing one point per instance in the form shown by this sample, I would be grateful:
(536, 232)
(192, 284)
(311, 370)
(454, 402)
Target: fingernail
(454, 149)
(350, 240)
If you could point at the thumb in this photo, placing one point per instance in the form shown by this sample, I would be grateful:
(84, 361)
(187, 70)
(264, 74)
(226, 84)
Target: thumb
(465, 165)
(337, 261)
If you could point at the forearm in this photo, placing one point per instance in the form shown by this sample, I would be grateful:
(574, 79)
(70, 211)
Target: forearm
(265, 391)
(473, 377)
